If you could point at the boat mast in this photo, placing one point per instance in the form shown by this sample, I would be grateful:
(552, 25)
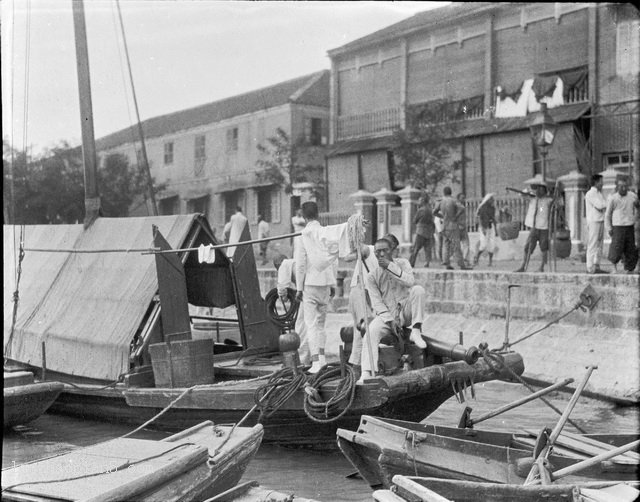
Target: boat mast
(91, 195)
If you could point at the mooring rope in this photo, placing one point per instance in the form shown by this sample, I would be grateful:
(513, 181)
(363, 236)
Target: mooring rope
(339, 403)
(271, 396)
(288, 319)
(496, 361)
(16, 295)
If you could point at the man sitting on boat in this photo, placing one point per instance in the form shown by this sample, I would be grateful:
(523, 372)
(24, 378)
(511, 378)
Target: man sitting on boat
(396, 300)
(286, 268)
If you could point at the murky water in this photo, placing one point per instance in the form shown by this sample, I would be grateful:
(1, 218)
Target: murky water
(324, 475)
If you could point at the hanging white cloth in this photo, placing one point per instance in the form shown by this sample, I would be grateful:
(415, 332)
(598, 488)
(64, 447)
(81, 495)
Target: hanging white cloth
(206, 254)
(507, 107)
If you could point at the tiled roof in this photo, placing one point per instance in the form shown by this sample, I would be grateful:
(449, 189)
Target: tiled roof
(418, 21)
(309, 90)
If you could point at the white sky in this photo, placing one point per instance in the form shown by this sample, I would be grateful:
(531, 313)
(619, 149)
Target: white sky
(183, 53)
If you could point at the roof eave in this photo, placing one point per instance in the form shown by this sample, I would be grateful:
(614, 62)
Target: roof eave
(358, 44)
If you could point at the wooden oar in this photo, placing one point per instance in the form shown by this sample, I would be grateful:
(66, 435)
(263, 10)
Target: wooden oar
(544, 453)
(585, 464)
(466, 420)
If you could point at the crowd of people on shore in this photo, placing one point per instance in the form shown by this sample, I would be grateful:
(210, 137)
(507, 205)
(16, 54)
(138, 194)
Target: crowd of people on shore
(384, 300)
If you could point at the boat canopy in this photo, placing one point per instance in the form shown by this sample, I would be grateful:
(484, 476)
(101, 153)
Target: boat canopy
(85, 307)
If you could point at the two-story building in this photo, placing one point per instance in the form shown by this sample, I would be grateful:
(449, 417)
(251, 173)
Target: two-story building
(495, 63)
(206, 156)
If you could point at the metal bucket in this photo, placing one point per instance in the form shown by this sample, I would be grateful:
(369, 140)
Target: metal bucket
(182, 363)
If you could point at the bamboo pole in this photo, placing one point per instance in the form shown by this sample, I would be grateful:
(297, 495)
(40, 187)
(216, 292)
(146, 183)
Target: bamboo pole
(589, 462)
(521, 401)
(558, 428)
(228, 245)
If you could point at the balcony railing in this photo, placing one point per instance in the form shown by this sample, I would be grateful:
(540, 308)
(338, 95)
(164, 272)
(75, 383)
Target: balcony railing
(375, 123)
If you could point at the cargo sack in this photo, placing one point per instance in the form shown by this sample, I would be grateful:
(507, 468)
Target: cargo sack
(562, 243)
(509, 230)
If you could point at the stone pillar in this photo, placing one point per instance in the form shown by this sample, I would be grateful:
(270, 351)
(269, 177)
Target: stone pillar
(409, 198)
(575, 185)
(363, 202)
(385, 198)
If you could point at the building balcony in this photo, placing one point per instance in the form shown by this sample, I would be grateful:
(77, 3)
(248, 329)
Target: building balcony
(369, 124)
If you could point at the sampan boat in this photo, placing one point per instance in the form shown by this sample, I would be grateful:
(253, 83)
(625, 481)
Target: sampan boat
(251, 491)
(194, 464)
(381, 448)
(24, 400)
(415, 489)
(117, 324)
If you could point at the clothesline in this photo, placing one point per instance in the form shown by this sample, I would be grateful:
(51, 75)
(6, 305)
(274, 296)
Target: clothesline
(229, 245)
(162, 251)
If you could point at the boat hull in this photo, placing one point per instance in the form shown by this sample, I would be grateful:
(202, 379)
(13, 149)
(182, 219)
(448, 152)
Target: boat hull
(380, 449)
(195, 464)
(418, 488)
(24, 403)
(412, 396)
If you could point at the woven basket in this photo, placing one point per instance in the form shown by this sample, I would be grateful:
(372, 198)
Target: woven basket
(508, 231)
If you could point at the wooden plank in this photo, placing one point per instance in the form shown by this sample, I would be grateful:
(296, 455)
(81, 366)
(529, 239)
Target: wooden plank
(423, 492)
(567, 452)
(386, 496)
(591, 447)
(13, 379)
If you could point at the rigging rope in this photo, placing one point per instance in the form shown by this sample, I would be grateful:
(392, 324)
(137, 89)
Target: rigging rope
(16, 294)
(339, 403)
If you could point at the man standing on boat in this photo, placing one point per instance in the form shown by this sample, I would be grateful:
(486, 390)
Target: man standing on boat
(396, 300)
(316, 269)
(286, 268)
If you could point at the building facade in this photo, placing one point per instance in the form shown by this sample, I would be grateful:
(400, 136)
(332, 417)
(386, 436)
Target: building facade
(205, 157)
(495, 64)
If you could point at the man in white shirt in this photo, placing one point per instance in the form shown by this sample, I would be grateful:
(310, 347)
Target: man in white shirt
(298, 223)
(286, 268)
(396, 300)
(595, 205)
(620, 217)
(238, 222)
(263, 233)
(316, 268)
(537, 219)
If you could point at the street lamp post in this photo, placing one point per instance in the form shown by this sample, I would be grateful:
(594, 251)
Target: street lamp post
(543, 132)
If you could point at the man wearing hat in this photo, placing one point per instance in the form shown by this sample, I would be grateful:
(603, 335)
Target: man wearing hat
(486, 215)
(537, 220)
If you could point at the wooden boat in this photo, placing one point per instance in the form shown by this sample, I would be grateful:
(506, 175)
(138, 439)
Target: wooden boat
(24, 399)
(413, 489)
(382, 448)
(146, 309)
(251, 491)
(194, 464)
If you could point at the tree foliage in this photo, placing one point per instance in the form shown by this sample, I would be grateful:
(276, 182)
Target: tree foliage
(50, 188)
(422, 151)
(285, 162)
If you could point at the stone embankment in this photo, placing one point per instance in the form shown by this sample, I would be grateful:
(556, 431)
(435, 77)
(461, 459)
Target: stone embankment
(474, 303)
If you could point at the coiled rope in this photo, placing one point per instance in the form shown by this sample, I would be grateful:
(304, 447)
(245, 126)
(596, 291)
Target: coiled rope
(288, 319)
(496, 363)
(339, 403)
(271, 396)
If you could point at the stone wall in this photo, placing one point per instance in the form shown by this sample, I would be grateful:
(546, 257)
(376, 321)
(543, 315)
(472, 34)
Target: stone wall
(475, 304)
